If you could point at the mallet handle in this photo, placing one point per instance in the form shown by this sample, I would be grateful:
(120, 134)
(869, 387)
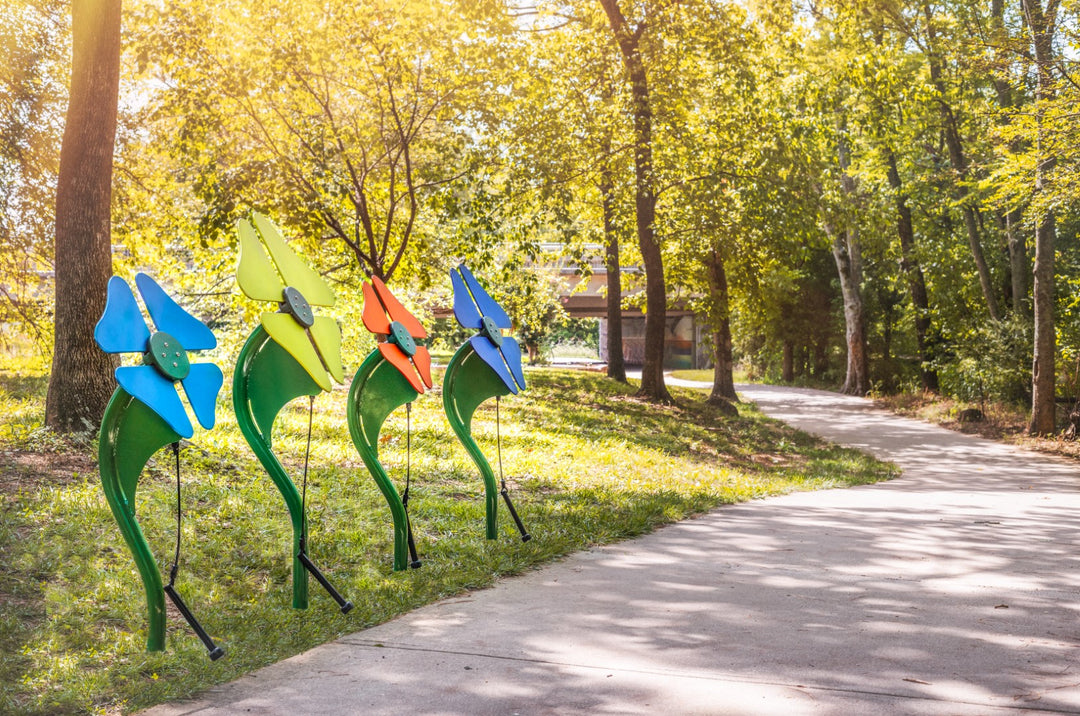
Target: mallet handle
(310, 566)
(525, 536)
(415, 563)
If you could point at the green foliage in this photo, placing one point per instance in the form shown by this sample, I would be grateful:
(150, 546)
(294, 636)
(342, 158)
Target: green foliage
(403, 137)
(586, 462)
(34, 58)
(584, 332)
(532, 301)
(990, 362)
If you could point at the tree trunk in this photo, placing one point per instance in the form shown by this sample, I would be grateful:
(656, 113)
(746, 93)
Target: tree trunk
(910, 267)
(1018, 263)
(821, 357)
(787, 371)
(1043, 407)
(723, 389)
(1044, 359)
(616, 369)
(971, 224)
(81, 381)
(857, 378)
(652, 372)
(959, 165)
(1010, 220)
(848, 257)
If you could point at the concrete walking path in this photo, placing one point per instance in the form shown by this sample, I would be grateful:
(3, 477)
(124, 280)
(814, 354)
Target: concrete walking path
(954, 589)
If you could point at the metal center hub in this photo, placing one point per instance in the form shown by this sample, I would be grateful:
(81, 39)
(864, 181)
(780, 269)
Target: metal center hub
(401, 337)
(492, 331)
(297, 306)
(167, 355)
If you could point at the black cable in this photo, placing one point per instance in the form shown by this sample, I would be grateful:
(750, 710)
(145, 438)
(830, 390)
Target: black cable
(303, 557)
(408, 455)
(525, 536)
(303, 494)
(414, 559)
(176, 555)
(498, 444)
(215, 651)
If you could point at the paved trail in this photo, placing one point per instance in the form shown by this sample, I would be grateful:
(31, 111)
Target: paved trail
(954, 589)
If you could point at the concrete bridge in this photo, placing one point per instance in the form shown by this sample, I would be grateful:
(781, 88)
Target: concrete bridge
(685, 341)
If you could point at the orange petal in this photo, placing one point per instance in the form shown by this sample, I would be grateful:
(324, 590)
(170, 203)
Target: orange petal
(398, 312)
(422, 360)
(396, 357)
(374, 316)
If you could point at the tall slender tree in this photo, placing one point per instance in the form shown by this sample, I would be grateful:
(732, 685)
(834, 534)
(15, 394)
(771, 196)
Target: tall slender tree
(616, 367)
(847, 253)
(1042, 22)
(628, 38)
(912, 270)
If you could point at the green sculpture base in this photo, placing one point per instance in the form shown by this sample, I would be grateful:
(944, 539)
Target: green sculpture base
(468, 382)
(130, 434)
(378, 389)
(266, 379)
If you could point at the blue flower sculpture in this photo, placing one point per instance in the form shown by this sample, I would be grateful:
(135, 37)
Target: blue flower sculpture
(474, 308)
(165, 360)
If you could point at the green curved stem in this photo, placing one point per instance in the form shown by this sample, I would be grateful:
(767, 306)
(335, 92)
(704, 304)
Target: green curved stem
(377, 389)
(130, 433)
(468, 382)
(266, 378)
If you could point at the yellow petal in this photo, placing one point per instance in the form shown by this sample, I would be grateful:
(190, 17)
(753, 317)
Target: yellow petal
(291, 336)
(327, 337)
(257, 277)
(293, 270)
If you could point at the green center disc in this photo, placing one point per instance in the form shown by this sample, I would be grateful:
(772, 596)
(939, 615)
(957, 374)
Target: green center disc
(168, 356)
(401, 337)
(297, 305)
(492, 331)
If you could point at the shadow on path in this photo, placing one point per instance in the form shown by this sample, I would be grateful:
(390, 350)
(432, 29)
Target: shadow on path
(953, 589)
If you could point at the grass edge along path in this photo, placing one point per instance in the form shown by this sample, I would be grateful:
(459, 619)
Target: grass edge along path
(587, 464)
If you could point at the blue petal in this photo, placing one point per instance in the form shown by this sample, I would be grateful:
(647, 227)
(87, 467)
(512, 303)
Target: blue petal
(491, 355)
(202, 385)
(170, 318)
(512, 355)
(464, 308)
(121, 328)
(145, 383)
(484, 302)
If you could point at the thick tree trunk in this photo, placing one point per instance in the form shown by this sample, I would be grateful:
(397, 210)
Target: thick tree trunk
(723, 389)
(909, 265)
(1044, 360)
(81, 381)
(616, 368)
(787, 370)
(848, 256)
(652, 372)
(857, 378)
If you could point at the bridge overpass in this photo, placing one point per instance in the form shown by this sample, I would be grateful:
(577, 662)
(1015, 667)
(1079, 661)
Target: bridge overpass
(685, 341)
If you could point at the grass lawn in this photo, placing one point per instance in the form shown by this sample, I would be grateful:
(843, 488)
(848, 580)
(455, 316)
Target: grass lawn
(1004, 422)
(587, 464)
(703, 375)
